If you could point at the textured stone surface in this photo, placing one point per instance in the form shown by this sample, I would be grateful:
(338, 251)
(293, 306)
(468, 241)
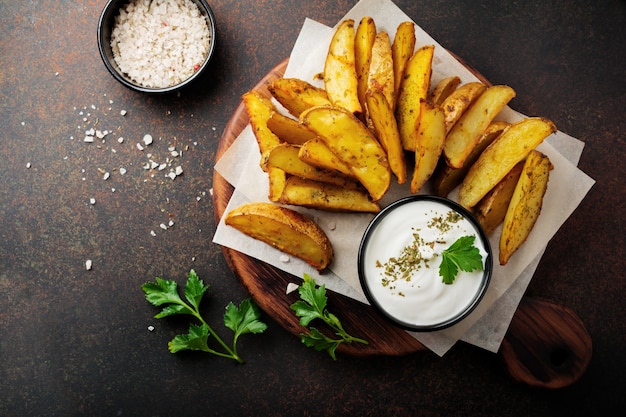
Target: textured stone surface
(75, 342)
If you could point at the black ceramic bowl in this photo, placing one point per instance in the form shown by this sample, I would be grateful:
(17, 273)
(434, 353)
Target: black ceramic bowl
(105, 28)
(421, 303)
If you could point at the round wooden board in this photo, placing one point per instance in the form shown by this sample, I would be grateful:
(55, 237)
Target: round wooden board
(267, 285)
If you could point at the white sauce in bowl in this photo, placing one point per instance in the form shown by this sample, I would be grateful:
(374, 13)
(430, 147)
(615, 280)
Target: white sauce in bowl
(400, 258)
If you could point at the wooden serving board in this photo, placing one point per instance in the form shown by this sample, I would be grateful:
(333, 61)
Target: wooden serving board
(547, 345)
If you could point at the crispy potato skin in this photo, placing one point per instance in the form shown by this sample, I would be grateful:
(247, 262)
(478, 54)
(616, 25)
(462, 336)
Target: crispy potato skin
(431, 135)
(414, 87)
(259, 109)
(380, 76)
(492, 208)
(447, 178)
(525, 204)
(467, 131)
(353, 143)
(297, 95)
(284, 229)
(324, 196)
(340, 77)
(511, 147)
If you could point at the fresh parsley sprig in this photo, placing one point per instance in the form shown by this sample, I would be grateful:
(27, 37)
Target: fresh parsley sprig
(311, 306)
(241, 320)
(463, 255)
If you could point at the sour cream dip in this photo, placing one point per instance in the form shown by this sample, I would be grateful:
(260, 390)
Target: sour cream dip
(399, 260)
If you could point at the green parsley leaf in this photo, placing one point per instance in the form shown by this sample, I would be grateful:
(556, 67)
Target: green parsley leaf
(311, 306)
(462, 255)
(241, 320)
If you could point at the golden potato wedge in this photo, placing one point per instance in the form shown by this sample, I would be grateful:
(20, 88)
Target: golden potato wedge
(289, 130)
(460, 100)
(353, 143)
(259, 109)
(297, 95)
(443, 89)
(340, 78)
(512, 146)
(284, 229)
(413, 88)
(430, 138)
(323, 196)
(315, 152)
(467, 131)
(490, 211)
(402, 49)
(380, 77)
(384, 123)
(363, 43)
(447, 178)
(525, 204)
(285, 157)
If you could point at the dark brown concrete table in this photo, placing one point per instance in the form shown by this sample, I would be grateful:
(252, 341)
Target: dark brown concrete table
(76, 342)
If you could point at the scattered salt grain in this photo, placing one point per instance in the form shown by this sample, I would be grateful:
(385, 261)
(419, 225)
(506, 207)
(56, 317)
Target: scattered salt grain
(139, 146)
(150, 328)
(147, 139)
(92, 201)
(284, 259)
(88, 264)
(123, 112)
(120, 139)
(28, 165)
(106, 176)
(122, 171)
(291, 287)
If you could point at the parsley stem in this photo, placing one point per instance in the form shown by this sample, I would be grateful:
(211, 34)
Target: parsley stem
(232, 353)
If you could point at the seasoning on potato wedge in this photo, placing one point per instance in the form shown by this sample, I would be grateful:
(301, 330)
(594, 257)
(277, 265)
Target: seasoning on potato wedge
(402, 49)
(289, 130)
(363, 43)
(468, 129)
(284, 229)
(443, 89)
(380, 76)
(353, 143)
(315, 152)
(340, 78)
(459, 100)
(447, 178)
(511, 147)
(525, 204)
(324, 196)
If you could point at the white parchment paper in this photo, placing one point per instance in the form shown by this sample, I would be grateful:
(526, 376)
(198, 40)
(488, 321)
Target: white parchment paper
(487, 325)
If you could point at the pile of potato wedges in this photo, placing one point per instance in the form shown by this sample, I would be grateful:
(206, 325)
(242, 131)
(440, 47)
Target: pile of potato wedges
(378, 119)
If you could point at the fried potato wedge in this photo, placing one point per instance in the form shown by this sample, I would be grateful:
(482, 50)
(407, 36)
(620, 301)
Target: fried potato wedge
(443, 89)
(284, 229)
(354, 144)
(413, 88)
(324, 196)
(315, 152)
(259, 109)
(525, 204)
(277, 178)
(297, 95)
(492, 208)
(511, 147)
(340, 78)
(460, 100)
(402, 49)
(363, 43)
(447, 178)
(467, 131)
(430, 138)
(285, 157)
(289, 130)
(384, 123)
(380, 76)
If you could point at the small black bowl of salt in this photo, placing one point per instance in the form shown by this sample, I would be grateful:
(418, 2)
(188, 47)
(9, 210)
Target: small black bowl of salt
(156, 46)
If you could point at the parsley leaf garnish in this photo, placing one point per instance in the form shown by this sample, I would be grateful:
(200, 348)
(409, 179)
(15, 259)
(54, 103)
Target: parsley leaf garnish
(241, 320)
(311, 306)
(462, 255)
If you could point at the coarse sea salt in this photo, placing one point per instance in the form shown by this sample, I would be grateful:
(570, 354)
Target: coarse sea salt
(160, 43)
